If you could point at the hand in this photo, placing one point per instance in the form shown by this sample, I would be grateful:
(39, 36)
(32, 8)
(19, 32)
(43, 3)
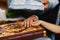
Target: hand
(36, 23)
(28, 22)
(46, 3)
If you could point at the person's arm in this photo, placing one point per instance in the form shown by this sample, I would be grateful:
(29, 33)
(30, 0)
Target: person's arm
(33, 21)
(27, 22)
(49, 26)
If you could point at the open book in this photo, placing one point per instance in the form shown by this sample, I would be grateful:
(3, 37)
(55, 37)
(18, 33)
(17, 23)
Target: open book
(26, 4)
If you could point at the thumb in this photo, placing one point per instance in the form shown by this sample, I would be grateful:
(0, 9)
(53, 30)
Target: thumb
(34, 24)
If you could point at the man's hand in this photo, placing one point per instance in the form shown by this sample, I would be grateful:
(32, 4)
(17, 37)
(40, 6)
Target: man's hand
(28, 22)
(46, 3)
(36, 23)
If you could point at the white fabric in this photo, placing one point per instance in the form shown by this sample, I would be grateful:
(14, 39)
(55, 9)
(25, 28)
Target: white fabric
(26, 4)
(53, 3)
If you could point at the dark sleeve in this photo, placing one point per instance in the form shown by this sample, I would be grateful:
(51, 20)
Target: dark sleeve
(50, 15)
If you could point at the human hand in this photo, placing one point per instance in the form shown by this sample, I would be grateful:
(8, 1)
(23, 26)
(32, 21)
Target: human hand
(28, 22)
(36, 23)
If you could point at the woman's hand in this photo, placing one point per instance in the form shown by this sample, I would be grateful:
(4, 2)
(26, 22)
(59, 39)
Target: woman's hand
(28, 22)
(36, 23)
(46, 3)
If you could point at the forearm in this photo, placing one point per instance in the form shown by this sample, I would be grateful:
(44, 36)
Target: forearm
(51, 27)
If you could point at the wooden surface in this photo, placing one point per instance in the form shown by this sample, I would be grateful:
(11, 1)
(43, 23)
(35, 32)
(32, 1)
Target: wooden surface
(26, 34)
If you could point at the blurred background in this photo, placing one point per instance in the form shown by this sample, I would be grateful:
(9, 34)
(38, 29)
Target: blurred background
(3, 4)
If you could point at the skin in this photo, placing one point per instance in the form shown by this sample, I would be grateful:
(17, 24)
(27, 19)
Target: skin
(52, 27)
(33, 21)
(46, 3)
(28, 22)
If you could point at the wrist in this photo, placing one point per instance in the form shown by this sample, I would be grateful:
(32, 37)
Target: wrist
(40, 21)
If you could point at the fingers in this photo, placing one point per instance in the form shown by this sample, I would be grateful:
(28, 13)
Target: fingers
(34, 18)
(24, 24)
(31, 22)
(28, 22)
